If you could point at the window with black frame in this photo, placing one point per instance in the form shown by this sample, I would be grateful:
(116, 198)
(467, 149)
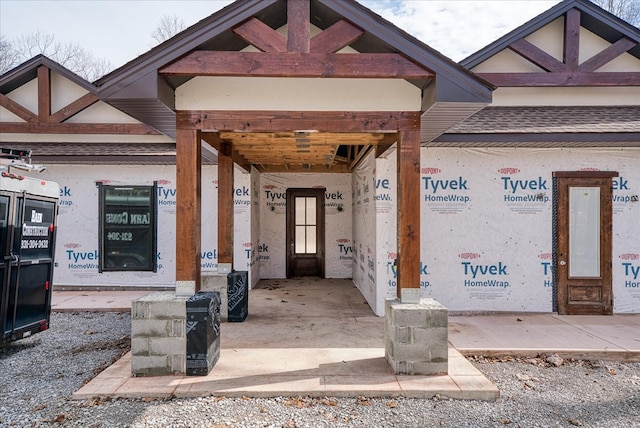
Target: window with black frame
(127, 228)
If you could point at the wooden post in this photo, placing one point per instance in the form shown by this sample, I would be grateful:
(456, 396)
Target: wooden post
(225, 208)
(188, 211)
(408, 280)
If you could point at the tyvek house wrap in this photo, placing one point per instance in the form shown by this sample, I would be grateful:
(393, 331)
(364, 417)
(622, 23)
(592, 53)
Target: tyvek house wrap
(487, 226)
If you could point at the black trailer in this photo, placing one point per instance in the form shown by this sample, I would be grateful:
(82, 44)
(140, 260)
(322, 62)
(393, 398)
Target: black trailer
(28, 213)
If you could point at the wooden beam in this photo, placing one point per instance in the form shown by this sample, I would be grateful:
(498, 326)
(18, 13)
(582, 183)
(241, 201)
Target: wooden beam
(563, 79)
(292, 64)
(408, 279)
(214, 140)
(386, 143)
(267, 121)
(225, 205)
(607, 55)
(336, 37)
(572, 40)
(44, 93)
(261, 36)
(17, 109)
(73, 108)
(78, 128)
(298, 22)
(188, 207)
(536, 55)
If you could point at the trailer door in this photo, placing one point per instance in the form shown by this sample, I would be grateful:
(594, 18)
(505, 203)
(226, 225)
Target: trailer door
(31, 266)
(5, 250)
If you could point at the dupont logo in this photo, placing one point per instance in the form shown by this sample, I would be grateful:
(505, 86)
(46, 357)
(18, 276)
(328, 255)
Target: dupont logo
(392, 256)
(268, 187)
(588, 169)
(247, 245)
(342, 240)
(545, 256)
(72, 245)
(101, 181)
(630, 256)
(508, 171)
(163, 182)
(429, 170)
(318, 186)
(469, 256)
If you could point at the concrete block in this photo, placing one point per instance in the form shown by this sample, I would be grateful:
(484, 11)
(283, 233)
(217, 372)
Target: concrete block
(434, 368)
(149, 328)
(403, 334)
(167, 346)
(139, 309)
(140, 346)
(430, 336)
(171, 309)
(178, 328)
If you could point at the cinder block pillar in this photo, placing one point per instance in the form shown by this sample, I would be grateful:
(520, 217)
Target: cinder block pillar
(416, 337)
(158, 335)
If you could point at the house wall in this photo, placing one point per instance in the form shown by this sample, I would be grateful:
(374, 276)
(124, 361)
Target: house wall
(77, 242)
(493, 207)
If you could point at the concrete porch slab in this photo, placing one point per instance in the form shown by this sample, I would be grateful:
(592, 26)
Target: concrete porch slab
(336, 372)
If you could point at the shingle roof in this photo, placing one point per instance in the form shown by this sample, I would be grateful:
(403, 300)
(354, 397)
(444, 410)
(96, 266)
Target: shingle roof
(598, 119)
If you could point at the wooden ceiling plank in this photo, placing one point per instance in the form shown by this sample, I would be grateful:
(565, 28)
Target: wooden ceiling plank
(607, 55)
(537, 56)
(17, 109)
(269, 121)
(261, 36)
(298, 25)
(603, 79)
(295, 64)
(73, 108)
(44, 93)
(336, 37)
(572, 40)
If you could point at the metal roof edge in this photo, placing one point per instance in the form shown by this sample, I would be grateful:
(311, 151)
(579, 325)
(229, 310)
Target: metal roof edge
(27, 71)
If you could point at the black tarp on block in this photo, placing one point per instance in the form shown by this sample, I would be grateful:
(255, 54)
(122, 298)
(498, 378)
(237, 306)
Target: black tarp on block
(238, 295)
(203, 332)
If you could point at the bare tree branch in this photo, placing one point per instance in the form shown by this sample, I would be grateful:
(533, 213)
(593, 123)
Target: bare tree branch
(628, 10)
(168, 26)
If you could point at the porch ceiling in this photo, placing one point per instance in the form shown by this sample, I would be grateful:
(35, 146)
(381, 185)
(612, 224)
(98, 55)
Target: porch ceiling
(304, 151)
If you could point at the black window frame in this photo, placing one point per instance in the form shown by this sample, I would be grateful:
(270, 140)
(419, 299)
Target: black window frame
(133, 260)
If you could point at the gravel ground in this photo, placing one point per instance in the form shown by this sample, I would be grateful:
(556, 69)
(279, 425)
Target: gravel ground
(39, 374)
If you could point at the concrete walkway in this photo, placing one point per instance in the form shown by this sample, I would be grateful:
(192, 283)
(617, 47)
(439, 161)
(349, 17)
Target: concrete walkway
(320, 338)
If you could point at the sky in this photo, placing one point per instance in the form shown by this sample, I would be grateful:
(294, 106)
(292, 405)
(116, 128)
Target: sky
(120, 30)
